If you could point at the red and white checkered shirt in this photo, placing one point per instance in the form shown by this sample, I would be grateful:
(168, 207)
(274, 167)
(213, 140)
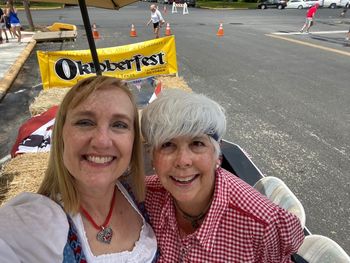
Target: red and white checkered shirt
(241, 226)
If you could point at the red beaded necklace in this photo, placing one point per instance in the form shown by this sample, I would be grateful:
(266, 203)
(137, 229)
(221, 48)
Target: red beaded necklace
(105, 232)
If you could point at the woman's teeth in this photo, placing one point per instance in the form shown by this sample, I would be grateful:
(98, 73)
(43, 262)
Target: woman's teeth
(185, 180)
(98, 159)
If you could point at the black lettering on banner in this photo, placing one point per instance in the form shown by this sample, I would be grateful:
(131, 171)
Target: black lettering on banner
(83, 68)
(128, 63)
(110, 66)
(123, 65)
(137, 61)
(153, 60)
(160, 58)
(93, 70)
(103, 67)
(68, 69)
(92, 67)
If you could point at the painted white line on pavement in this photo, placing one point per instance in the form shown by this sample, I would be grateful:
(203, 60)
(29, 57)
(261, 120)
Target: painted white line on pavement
(316, 32)
(341, 52)
(37, 85)
(19, 91)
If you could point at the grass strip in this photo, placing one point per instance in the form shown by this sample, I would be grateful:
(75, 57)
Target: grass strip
(34, 5)
(225, 4)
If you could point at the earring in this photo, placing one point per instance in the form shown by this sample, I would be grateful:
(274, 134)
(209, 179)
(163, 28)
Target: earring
(218, 164)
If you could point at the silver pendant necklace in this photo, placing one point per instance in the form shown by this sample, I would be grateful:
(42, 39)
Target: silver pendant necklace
(105, 232)
(105, 235)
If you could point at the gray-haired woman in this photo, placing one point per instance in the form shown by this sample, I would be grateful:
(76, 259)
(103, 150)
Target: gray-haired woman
(156, 19)
(199, 211)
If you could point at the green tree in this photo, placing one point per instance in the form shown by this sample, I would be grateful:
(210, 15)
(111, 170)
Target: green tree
(29, 15)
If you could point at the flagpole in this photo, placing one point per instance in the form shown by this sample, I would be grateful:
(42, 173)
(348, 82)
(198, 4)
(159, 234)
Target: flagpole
(87, 25)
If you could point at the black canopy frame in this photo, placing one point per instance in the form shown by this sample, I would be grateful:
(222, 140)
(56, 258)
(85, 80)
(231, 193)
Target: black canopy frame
(108, 4)
(87, 25)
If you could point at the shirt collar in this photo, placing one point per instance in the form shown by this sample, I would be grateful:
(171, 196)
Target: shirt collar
(168, 213)
(217, 209)
(210, 225)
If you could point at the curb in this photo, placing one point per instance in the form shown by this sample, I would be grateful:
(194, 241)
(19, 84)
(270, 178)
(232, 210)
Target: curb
(4, 160)
(12, 73)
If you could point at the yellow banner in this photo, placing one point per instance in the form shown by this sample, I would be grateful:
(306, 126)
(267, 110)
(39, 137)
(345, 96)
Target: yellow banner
(139, 60)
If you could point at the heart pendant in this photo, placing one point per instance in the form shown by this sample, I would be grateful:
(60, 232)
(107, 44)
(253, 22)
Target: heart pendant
(105, 235)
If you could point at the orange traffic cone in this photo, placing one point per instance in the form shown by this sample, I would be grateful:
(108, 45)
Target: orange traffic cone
(95, 33)
(167, 30)
(133, 31)
(220, 32)
(156, 92)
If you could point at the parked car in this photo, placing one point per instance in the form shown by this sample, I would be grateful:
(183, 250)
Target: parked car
(312, 2)
(330, 3)
(344, 2)
(279, 4)
(298, 4)
(188, 2)
(325, 3)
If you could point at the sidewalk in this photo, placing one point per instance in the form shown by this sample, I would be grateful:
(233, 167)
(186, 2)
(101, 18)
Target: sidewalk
(12, 57)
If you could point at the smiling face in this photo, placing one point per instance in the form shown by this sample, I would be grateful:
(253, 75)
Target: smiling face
(98, 138)
(186, 168)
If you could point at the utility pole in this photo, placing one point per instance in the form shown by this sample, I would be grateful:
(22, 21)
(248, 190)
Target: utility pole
(29, 15)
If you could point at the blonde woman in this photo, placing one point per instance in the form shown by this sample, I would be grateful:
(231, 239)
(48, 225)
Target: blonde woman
(85, 210)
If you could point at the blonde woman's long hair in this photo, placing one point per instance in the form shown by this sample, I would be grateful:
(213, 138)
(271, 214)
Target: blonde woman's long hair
(58, 184)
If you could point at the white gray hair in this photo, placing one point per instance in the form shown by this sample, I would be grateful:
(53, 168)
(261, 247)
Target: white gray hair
(178, 113)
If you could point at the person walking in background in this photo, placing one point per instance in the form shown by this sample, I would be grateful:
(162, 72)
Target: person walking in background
(342, 14)
(156, 19)
(8, 25)
(11, 12)
(345, 9)
(3, 26)
(309, 21)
